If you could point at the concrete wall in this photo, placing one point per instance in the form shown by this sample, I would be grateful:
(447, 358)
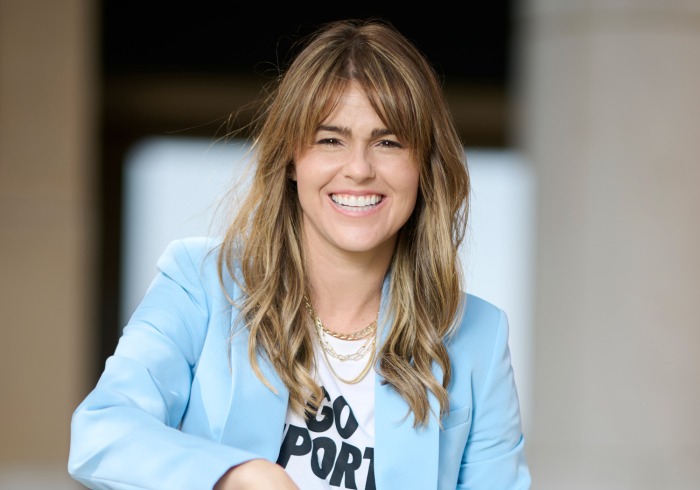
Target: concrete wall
(46, 228)
(609, 115)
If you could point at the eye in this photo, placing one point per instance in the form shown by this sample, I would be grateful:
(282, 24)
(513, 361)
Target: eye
(390, 144)
(328, 141)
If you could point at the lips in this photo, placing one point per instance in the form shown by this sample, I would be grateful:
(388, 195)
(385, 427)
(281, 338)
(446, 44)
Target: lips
(358, 203)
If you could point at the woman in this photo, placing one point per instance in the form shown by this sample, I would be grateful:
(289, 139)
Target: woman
(324, 341)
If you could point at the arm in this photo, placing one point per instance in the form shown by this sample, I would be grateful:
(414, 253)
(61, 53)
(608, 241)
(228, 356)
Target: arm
(125, 435)
(257, 474)
(494, 456)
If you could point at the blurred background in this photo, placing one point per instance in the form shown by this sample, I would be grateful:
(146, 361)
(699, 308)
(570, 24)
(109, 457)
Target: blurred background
(581, 123)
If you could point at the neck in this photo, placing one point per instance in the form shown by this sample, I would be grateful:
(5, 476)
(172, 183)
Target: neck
(346, 291)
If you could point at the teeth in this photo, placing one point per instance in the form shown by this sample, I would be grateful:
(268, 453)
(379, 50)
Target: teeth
(356, 201)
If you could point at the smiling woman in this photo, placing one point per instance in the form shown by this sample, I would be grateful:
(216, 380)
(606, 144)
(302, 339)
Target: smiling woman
(328, 325)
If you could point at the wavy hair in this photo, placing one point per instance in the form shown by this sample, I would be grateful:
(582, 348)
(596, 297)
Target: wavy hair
(263, 240)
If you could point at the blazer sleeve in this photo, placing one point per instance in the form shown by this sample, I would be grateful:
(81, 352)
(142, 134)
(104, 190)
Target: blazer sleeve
(494, 456)
(125, 435)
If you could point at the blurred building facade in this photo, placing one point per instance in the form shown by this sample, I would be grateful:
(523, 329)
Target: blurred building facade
(47, 222)
(609, 116)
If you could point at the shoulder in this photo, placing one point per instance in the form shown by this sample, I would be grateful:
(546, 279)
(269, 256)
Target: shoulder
(478, 310)
(195, 260)
(479, 319)
(193, 254)
(196, 249)
(481, 334)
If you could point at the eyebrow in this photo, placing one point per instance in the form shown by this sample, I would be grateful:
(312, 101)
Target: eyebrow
(345, 131)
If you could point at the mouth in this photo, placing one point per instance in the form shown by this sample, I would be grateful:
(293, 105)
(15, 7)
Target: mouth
(357, 203)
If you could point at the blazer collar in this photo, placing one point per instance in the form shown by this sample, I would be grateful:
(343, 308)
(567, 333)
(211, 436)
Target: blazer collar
(255, 413)
(404, 456)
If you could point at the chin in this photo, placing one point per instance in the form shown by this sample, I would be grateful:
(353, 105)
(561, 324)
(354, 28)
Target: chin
(365, 246)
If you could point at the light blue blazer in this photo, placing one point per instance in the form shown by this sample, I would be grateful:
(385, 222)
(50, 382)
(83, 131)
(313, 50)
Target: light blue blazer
(171, 412)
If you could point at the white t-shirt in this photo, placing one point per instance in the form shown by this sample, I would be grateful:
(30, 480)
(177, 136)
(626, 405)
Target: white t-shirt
(336, 448)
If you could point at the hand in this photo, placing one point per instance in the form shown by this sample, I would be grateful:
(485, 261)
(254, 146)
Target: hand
(258, 474)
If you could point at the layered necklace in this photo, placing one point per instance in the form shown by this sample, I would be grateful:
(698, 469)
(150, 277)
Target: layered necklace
(368, 334)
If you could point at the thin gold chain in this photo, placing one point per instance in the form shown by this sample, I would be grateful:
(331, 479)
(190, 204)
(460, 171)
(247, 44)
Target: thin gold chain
(360, 334)
(354, 356)
(326, 348)
(354, 380)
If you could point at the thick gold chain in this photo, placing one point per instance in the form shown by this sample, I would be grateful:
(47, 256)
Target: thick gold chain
(326, 348)
(360, 334)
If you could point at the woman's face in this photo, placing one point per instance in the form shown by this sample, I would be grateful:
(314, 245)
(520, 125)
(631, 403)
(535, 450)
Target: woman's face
(357, 183)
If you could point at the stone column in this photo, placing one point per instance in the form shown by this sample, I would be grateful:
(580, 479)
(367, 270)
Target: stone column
(47, 137)
(608, 113)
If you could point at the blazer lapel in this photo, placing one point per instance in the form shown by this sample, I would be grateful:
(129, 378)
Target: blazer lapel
(256, 415)
(404, 456)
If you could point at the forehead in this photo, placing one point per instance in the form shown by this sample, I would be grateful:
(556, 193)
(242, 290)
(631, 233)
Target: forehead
(353, 106)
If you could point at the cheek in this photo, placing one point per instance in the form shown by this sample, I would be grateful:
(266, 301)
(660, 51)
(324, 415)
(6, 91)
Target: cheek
(410, 192)
(309, 188)
(411, 185)
(412, 205)
(307, 169)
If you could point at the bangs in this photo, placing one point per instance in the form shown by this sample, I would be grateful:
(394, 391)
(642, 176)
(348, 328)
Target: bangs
(400, 91)
(395, 95)
(390, 97)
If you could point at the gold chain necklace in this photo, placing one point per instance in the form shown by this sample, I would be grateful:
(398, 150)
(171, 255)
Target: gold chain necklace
(326, 348)
(354, 356)
(354, 380)
(361, 334)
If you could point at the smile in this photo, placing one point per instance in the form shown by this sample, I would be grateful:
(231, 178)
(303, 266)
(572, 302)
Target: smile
(357, 203)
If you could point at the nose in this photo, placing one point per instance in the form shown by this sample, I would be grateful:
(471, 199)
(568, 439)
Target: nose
(358, 166)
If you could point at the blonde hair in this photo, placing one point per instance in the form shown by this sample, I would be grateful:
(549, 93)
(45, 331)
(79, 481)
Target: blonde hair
(262, 246)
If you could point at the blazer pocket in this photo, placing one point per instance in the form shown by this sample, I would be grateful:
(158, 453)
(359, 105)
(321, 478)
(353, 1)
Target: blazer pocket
(457, 417)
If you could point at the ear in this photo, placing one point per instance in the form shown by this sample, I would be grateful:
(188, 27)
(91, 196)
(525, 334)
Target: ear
(292, 171)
